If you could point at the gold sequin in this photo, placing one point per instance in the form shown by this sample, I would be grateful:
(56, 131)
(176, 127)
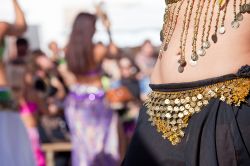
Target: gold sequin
(170, 112)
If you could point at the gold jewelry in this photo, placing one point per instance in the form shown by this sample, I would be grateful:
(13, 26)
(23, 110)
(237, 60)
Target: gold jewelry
(165, 29)
(202, 51)
(239, 16)
(195, 56)
(170, 28)
(170, 112)
(182, 60)
(222, 29)
(245, 7)
(174, 23)
(207, 44)
(214, 36)
(171, 17)
(235, 23)
(171, 1)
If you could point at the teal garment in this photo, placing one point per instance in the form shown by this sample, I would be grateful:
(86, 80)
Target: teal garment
(5, 95)
(1, 50)
(6, 100)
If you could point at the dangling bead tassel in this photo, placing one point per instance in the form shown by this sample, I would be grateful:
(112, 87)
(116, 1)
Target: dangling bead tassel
(235, 23)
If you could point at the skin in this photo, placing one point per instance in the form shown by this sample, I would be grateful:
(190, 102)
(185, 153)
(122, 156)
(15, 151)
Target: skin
(225, 57)
(3, 30)
(15, 29)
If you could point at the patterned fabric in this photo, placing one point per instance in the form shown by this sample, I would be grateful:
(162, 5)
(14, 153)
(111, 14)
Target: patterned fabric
(93, 127)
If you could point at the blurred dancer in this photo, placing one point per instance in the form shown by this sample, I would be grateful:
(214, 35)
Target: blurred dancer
(94, 127)
(15, 149)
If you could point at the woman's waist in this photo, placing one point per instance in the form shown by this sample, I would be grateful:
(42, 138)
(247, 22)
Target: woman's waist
(166, 70)
(243, 72)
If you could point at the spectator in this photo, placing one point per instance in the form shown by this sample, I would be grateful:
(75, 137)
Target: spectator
(145, 55)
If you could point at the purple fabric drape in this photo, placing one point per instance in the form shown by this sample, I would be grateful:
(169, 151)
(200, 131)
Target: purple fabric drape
(93, 127)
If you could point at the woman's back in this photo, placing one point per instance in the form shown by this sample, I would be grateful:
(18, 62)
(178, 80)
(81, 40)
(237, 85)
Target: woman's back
(92, 124)
(227, 55)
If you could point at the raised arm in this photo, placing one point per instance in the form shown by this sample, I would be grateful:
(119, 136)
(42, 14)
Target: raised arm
(20, 25)
(3, 30)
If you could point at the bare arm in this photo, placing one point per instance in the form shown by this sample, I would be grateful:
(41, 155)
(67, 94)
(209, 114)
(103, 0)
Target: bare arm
(20, 25)
(3, 30)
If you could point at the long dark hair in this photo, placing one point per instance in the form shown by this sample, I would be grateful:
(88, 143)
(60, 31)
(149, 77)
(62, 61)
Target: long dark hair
(79, 51)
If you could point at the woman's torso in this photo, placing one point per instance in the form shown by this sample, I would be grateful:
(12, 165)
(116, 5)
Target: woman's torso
(231, 51)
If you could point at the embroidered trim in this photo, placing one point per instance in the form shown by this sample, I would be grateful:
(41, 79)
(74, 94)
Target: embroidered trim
(170, 112)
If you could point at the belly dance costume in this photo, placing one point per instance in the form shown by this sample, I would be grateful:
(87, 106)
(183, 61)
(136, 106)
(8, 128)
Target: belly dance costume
(93, 127)
(200, 123)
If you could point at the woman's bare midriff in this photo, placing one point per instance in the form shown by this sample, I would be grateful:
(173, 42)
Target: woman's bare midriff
(231, 51)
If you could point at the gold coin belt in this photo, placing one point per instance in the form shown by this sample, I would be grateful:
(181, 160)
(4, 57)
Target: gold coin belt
(170, 112)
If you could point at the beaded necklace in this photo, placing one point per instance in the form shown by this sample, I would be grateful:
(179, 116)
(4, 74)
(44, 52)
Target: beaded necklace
(208, 8)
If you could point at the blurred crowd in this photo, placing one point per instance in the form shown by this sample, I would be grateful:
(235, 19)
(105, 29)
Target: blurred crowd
(85, 93)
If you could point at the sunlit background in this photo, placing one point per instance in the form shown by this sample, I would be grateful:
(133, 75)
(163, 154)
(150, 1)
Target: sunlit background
(133, 21)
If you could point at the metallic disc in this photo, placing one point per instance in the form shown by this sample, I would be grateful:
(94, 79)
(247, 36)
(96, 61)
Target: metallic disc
(201, 52)
(182, 62)
(214, 38)
(247, 7)
(194, 57)
(222, 30)
(239, 17)
(206, 44)
(242, 8)
(180, 69)
(235, 24)
(192, 63)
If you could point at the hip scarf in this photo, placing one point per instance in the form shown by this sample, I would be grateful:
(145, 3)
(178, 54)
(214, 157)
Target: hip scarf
(170, 106)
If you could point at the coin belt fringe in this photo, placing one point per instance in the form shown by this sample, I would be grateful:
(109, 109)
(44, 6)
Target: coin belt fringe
(170, 112)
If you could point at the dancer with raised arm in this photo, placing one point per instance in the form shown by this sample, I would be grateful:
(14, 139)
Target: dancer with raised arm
(15, 148)
(93, 125)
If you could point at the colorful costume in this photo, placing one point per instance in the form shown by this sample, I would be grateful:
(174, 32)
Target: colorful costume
(93, 127)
